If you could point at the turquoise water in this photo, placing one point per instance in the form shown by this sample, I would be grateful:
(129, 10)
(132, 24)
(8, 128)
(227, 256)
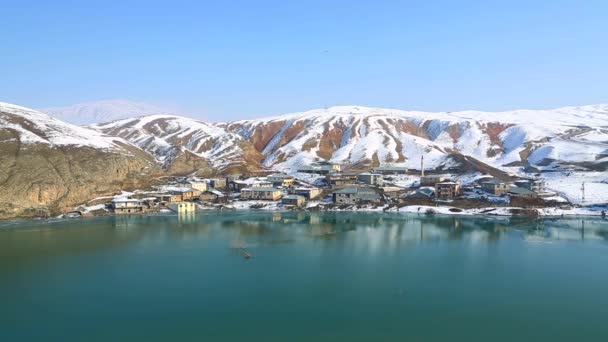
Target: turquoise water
(318, 276)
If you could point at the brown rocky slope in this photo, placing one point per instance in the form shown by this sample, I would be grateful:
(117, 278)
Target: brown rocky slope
(48, 167)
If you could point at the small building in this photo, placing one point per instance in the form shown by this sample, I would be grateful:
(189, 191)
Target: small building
(333, 167)
(212, 195)
(447, 190)
(261, 193)
(186, 193)
(233, 177)
(516, 191)
(424, 193)
(536, 185)
(391, 191)
(431, 180)
(129, 206)
(355, 195)
(495, 186)
(197, 185)
(321, 168)
(169, 198)
(312, 169)
(217, 183)
(280, 179)
(295, 200)
(341, 179)
(390, 170)
(183, 207)
(238, 185)
(308, 193)
(260, 183)
(371, 178)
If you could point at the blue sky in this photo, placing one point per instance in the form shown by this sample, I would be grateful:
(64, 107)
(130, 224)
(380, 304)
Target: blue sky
(223, 60)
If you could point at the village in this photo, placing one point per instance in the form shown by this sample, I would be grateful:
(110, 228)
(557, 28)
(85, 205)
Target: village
(328, 186)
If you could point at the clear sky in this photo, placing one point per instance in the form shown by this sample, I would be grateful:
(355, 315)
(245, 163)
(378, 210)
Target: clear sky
(223, 60)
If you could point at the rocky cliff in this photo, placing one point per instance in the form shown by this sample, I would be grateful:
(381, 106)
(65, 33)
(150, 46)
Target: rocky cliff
(47, 166)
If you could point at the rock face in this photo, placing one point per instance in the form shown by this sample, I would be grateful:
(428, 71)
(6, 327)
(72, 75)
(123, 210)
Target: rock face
(49, 166)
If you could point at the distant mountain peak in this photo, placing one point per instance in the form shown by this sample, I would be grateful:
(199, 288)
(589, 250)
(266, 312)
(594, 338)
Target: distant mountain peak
(104, 111)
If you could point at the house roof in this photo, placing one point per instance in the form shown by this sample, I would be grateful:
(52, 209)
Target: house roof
(368, 195)
(182, 190)
(492, 181)
(433, 176)
(521, 191)
(370, 174)
(306, 189)
(354, 190)
(262, 188)
(426, 191)
(192, 182)
(293, 197)
(280, 175)
(215, 192)
(389, 168)
(350, 190)
(126, 200)
(391, 188)
(315, 168)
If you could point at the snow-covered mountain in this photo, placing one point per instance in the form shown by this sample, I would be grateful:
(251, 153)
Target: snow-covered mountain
(30, 127)
(103, 111)
(172, 139)
(361, 136)
(45, 162)
(51, 164)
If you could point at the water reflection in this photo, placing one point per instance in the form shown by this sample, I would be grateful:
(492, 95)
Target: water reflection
(32, 241)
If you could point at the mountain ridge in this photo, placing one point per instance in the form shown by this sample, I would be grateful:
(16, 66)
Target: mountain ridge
(47, 163)
(363, 136)
(87, 113)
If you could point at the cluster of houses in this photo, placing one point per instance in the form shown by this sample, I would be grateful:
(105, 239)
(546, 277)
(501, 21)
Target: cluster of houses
(441, 187)
(375, 186)
(274, 187)
(341, 187)
(179, 196)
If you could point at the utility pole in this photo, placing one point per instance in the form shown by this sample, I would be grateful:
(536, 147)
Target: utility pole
(583, 193)
(422, 166)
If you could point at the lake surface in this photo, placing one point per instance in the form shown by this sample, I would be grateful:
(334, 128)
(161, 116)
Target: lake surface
(313, 276)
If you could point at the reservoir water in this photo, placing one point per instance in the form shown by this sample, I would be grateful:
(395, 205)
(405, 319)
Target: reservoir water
(311, 276)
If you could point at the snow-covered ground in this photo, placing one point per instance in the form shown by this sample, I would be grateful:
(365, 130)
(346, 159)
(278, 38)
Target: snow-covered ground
(500, 211)
(403, 181)
(569, 185)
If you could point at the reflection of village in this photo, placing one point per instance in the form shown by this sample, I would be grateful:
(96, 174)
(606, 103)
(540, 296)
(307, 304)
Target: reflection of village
(326, 186)
(261, 228)
(368, 231)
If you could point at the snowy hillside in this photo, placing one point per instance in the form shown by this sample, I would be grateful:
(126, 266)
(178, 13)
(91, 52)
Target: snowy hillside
(360, 135)
(29, 126)
(103, 111)
(167, 137)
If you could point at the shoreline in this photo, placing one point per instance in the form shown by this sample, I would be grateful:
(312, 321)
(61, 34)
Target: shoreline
(482, 212)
